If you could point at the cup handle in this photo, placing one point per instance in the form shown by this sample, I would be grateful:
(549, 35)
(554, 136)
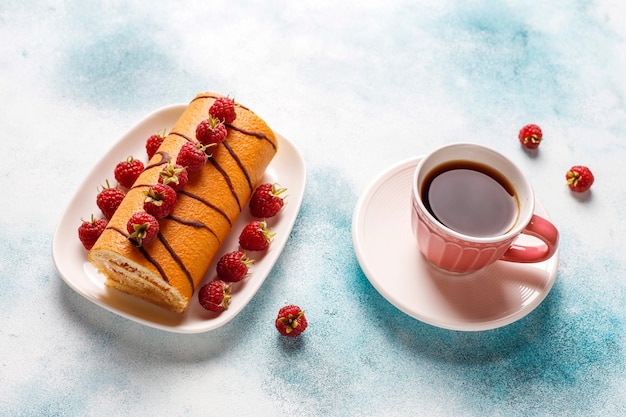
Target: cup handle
(541, 229)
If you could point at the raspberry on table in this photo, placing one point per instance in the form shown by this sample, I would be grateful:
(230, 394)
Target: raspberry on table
(291, 321)
(579, 178)
(530, 136)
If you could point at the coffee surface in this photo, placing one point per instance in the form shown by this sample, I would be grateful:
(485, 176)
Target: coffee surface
(471, 199)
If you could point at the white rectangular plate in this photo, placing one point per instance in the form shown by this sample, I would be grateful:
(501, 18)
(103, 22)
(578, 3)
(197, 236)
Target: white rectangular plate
(287, 169)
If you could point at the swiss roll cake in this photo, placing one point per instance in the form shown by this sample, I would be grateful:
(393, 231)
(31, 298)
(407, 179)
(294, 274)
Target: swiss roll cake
(168, 270)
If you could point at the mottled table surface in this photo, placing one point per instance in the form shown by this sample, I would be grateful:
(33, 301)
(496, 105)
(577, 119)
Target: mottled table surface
(356, 86)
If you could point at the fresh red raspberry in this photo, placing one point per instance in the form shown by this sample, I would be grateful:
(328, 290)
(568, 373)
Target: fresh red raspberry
(90, 230)
(266, 201)
(530, 136)
(255, 236)
(211, 131)
(233, 266)
(192, 156)
(127, 172)
(154, 142)
(291, 321)
(174, 175)
(160, 200)
(143, 228)
(215, 296)
(109, 199)
(579, 178)
(223, 109)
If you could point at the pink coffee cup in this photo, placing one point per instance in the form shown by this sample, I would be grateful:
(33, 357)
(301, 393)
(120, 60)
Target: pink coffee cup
(462, 252)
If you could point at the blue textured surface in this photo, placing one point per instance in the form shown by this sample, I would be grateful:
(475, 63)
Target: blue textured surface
(356, 86)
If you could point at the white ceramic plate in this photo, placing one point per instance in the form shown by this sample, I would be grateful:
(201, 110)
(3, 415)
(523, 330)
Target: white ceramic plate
(387, 252)
(287, 168)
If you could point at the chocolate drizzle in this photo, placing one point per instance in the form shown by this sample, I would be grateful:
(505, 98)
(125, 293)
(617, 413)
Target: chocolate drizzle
(258, 135)
(177, 260)
(228, 181)
(120, 231)
(240, 164)
(207, 203)
(203, 96)
(157, 265)
(196, 224)
(182, 135)
(141, 186)
(165, 158)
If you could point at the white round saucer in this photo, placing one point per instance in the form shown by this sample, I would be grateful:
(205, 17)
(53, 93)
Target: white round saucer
(387, 252)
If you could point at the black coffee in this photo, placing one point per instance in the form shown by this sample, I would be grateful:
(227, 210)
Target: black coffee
(470, 198)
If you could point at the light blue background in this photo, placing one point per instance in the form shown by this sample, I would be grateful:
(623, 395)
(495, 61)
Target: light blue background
(357, 86)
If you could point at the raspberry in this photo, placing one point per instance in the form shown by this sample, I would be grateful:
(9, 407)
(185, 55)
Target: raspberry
(153, 143)
(160, 200)
(233, 266)
(175, 176)
(530, 136)
(109, 199)
(291, 321)
(255, 236)
(266, 201)
(579, 178)
(215, 296)
(127, 172)
(192, 156)
(143, 228)
(211, 131)
(90, 230)
(223, 109)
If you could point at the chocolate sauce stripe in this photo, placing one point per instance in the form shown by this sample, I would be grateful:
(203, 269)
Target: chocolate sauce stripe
(177, 259)
(145, 254)
(203, 96)
(141, 186)
(228, 181)
(255, 134)
(208, 204)
(153, 261)
(240, 164)
(195, 224)
(182, 135)
(165, 158)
